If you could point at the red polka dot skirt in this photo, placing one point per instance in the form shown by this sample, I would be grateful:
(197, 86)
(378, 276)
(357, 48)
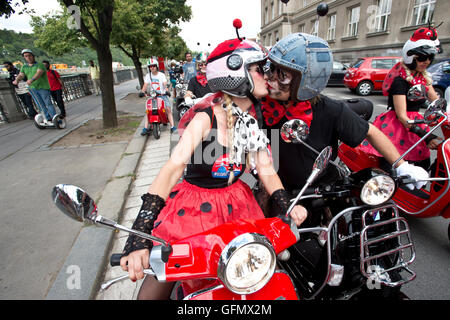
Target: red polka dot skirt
(402, 139)
(190, 209)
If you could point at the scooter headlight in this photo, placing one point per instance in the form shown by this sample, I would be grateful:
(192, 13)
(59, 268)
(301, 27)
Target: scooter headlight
(247, 263)
(378, 190)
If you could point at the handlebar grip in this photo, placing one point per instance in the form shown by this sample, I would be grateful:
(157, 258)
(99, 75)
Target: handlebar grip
(114, 260)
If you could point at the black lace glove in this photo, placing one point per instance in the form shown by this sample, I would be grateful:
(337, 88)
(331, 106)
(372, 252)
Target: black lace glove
(145, 222)
(279, 202)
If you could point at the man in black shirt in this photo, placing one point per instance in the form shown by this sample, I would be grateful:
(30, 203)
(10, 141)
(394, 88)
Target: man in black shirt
(198, 85)
(299, 68)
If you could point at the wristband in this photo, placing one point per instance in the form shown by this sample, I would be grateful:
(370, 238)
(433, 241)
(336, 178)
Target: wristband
(145, 221)
(280, 201)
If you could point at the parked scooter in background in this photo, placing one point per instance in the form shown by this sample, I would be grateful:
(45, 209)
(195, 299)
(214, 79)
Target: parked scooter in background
(423, 203)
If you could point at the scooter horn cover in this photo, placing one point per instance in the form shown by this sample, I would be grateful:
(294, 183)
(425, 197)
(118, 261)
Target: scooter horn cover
(308, 55)
(227, 66)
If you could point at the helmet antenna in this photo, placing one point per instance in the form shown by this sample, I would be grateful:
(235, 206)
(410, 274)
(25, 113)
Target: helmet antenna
(237, 23)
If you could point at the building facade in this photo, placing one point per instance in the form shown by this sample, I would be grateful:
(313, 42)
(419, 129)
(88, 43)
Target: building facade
(356, 28)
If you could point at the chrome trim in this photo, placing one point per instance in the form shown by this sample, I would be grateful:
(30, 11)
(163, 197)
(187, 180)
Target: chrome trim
(158, 266)
(202, 291)
(365, 242)
(232, 247)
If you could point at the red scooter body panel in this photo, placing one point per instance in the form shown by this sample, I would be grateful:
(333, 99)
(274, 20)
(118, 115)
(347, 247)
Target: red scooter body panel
(197, 256)
(161, 116)
(421, 204)
(280, 287)
(356, 159)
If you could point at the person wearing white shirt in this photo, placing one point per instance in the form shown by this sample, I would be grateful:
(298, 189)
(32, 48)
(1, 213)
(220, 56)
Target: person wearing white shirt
(158, 82)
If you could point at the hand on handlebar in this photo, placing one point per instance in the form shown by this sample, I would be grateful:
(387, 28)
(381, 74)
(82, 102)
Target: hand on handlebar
(434, 144)
(416, 173)
(298, 214)
(135, 263)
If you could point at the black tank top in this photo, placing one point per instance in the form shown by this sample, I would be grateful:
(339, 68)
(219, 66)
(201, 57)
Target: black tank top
(209, 166)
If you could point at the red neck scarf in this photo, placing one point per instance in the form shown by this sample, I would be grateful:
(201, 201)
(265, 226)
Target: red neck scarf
(201, 78)
(398, 70)
(274, 111)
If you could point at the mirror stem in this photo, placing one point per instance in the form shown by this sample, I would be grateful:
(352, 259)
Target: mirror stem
(114, 225)
(311, 178)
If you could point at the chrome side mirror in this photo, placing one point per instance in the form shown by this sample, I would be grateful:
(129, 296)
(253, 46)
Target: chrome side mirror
(323, 159)
(435, 111)
(416, 93)
(295, 130)
(74, 202)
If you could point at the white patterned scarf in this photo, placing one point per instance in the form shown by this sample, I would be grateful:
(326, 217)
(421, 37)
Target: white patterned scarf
(248, 137)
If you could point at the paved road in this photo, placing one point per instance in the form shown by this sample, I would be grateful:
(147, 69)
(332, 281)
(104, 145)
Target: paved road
(34, 237)
(432, 263)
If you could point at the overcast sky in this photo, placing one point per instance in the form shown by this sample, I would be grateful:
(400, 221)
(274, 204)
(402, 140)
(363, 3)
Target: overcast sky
(212, 20)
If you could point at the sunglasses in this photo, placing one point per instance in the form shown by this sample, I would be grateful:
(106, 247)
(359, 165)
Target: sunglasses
(257, 68)
(423, 58)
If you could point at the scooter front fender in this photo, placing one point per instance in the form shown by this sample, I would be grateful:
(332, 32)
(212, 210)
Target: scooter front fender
(279, 287)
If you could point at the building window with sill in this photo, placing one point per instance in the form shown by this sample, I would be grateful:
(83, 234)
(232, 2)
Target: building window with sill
(353, 21)
(382, 16)
(422, 11)
(315, 27)
(301, 28)
(331, 33)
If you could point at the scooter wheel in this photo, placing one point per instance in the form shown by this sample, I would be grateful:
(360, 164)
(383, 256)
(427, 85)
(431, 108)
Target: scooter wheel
(156, 131)
(38, 120)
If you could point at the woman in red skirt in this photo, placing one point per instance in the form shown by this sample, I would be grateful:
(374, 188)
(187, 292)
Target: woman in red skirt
(219, 139)
(418, 53)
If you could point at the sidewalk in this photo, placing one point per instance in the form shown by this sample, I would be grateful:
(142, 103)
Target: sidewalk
(155, 154)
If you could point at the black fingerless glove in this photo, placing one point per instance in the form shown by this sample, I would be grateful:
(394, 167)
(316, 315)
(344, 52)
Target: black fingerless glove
(279, 202)
(145, 222)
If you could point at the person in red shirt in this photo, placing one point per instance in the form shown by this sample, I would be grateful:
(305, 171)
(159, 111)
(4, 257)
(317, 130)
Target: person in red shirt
(56, 87)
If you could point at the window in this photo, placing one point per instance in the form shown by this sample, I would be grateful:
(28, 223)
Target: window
(383, 12)
(422, 11)
(276, 36)
(270, 39)
(266, 15)
(383, 63)
(280, 8)
(301, 28)
(272, 10)
(353, 20)
(305, 3)
(315, 27)
(331, 33)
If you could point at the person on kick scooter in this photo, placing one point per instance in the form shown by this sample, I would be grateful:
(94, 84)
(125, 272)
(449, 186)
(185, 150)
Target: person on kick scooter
(158, 81)
(298, 70)
(39, 87)
(417, 54)
(211, 193)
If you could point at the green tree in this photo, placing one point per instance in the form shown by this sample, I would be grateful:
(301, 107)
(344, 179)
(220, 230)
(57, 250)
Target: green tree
(93, 19)
(141, 28)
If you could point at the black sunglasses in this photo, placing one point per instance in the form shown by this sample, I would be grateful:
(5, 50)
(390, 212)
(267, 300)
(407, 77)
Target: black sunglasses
(423, 58)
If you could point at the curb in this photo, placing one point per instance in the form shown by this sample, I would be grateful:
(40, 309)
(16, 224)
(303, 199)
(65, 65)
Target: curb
(79, 277)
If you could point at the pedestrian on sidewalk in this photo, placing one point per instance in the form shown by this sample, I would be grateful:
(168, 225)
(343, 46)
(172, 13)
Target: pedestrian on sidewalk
(56, 87)
(38, 84)
(211, 193)
(95, 76)
(21, 89)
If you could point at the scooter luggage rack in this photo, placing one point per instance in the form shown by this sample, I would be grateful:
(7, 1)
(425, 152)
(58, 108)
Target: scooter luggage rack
(401, 231)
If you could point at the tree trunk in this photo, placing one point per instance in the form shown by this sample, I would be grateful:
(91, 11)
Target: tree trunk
(107, 85)
(138, 66)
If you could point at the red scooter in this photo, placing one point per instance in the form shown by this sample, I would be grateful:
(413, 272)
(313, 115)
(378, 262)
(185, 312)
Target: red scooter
(156, 113)
(271, 259)
(418, 203)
